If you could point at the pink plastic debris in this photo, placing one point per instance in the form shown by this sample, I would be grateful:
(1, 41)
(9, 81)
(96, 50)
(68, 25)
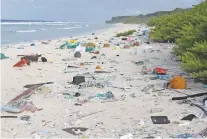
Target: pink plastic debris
(29, 107)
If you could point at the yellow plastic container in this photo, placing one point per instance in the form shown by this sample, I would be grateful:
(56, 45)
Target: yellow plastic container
(72, 41)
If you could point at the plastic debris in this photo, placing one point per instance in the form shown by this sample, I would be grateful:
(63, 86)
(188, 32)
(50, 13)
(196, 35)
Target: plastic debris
(186, 135)
(29, 107)
(2, 56)
(108, 95)
(44, 89)
(163, 77)
(178, 82)
(44, 59)
(160, 120)
(68, 96)
(159, 71)
(127, 136)
(189, 117)
(78, 80)
(141, 62)
(94, 57)
(10, 109)
(94, 84)
(75, 130)
(32, 44)
(106, 45)
(98, 67)
(21, 63)
(156, 110)
(147, 88)
(25, 117)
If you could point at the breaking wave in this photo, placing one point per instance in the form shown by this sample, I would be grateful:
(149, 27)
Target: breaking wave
(39, 23)
(69, 27)
(24, 31)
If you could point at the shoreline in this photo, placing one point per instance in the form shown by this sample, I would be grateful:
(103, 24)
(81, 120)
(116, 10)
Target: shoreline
(127, 113)
(56, 38)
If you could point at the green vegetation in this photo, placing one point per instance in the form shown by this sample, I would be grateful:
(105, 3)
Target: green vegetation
(141, 18)
(126, 33)
(188, 29)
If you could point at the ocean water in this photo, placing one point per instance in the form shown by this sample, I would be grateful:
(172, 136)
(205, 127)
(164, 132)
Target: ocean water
(16, 32)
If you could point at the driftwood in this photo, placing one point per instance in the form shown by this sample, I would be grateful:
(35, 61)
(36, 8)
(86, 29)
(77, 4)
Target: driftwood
(29, 55)
(189, 96)
(89, 114)
(102, 72)
(9, 117)
(69, 66)
(25, 94)
(40, 84)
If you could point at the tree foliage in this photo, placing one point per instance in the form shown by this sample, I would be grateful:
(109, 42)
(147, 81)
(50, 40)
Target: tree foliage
(126, 33)
(188, 29)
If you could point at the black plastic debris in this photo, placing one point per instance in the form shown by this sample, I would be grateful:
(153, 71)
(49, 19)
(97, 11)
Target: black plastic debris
(39, 84)
(94, 57)
(25, 117)
(205, 102)
(190, 96)
(160, 120)
(75, 130)
(189, 117)
(78, 80)
(77, 94)
(69, 66)
(32, 58)
(124, 39)
(8, 116)
(102, 71)
(44, 59)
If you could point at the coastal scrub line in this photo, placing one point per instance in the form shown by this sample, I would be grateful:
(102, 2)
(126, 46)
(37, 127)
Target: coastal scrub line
(188, 30)
(126, 33)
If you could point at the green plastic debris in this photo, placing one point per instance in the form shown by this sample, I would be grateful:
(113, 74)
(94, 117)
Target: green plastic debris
(69, 45)
(3, 56)
(89, 49)
(68, 96)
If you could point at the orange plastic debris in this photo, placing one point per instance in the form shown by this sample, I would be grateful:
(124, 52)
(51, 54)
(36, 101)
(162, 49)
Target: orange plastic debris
(81, 64)
(98, 67)
(21, 63)
(178, 82)
(159, 71)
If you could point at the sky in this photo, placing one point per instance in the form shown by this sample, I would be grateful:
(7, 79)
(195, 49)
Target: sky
(85, 10)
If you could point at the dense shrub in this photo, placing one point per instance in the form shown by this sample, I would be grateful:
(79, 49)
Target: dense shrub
(126, 33)
(188, 29)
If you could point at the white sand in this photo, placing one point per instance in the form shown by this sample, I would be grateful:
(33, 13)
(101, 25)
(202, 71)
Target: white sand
(118, 118)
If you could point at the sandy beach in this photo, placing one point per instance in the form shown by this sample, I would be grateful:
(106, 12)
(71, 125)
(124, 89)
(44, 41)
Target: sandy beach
(127, 113)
